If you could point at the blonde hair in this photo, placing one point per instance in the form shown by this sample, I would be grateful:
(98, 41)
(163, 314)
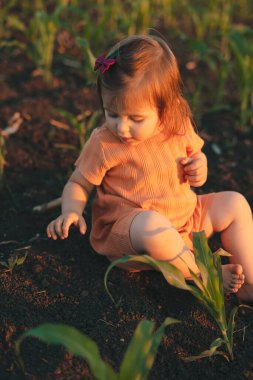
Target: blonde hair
(146, 69)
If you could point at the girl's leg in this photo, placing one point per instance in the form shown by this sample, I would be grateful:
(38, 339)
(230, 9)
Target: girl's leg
(230, 214)
(153, 234)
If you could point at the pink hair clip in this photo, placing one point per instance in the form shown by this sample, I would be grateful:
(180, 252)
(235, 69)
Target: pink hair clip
(103, 63)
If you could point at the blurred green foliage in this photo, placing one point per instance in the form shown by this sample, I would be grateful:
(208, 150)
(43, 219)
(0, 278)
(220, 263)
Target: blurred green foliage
(212, 41)
(138, 359)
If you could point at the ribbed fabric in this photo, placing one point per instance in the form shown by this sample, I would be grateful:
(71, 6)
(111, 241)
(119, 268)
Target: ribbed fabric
(131, 178)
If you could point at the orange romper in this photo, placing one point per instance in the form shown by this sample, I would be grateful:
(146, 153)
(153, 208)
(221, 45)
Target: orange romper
(132, 178)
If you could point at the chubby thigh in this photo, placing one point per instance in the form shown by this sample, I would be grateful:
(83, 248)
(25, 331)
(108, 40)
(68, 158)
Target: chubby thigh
(148, 232)
(153, 234)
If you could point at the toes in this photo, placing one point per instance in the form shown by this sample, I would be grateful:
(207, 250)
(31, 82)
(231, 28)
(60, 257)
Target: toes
(238, 279)
(233, 277)
(235, 285)
(238, 269)
(234, 289)
(236, 282)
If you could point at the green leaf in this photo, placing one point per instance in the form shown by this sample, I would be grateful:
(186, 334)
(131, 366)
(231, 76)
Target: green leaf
(211, 352)
(84, 44)
(142, 350)
(20, 260)
(68, 115)
(231, 325)
(4, 264)
(210, 273)
(14, 22)
(173, 275)
(75, 342)
(218, 266)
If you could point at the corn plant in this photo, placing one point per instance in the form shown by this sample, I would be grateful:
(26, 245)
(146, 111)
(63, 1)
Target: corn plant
(89, 59)
(41, 34)
(81, 125)
(9, 22)
(13, 261)
(137, 361)
(208, 290)
(208, 17)
(241, 42)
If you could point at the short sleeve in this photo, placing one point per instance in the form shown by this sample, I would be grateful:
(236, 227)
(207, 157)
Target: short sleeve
(194, 143)
(92, 163)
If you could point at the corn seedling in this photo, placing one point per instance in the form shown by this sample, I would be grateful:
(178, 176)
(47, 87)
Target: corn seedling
(208, 17)
(8, 22)
(13, 261)
(241, 42)
(40, 35)
(81, 124)
(89, 59)
(138, 359)
(208, 290)
(168, 12)
(42, 31)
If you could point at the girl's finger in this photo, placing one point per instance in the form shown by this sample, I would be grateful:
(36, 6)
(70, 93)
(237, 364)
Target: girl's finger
(51, 231)
(186, 161)
(65, 227)
(194, 179)
(194, 166)
(82, 226)
(58, 226)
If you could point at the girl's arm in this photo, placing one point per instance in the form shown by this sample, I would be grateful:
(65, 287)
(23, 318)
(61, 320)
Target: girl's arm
(74, 199)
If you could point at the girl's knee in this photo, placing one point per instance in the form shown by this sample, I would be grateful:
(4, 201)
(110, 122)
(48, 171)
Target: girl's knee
(239, 205)
(228, 207)
(150, 220)
(148, 229)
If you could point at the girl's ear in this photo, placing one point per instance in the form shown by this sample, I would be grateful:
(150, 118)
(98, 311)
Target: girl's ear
(160, 125)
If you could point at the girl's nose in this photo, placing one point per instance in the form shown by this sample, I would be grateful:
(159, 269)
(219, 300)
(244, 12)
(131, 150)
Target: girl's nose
(122, 127)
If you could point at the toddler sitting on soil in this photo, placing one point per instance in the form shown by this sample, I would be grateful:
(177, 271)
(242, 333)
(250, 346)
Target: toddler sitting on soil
(144, 161)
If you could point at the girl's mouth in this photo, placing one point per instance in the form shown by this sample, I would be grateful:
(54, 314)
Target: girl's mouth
(126, 139)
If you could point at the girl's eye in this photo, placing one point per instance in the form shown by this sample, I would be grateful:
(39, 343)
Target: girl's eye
(112, 115)
(137, 120)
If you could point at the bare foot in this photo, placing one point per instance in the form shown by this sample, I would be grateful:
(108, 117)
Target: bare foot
(233, 277)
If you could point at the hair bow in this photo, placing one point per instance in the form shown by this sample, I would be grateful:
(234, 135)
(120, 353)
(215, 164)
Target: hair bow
(103, 63)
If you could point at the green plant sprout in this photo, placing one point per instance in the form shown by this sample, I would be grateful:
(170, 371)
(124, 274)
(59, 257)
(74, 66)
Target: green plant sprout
(89, 60)
(82, 125)
(241, 43)
(137, 361)
(9, 21)
(208, 290)
(41, 33)
(13, 261)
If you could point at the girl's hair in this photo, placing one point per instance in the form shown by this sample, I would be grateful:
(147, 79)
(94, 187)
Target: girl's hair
(146, 69)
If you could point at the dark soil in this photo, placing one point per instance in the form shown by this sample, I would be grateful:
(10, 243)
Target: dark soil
(62, 281)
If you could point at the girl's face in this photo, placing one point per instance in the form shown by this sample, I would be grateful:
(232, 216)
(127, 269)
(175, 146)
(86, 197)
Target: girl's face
(133, 125)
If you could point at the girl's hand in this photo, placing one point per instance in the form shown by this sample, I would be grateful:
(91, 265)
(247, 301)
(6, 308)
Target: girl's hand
(195, 169)
(60, 226)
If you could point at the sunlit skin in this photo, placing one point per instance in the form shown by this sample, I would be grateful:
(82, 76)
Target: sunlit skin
(229, 213)
(134, 125)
